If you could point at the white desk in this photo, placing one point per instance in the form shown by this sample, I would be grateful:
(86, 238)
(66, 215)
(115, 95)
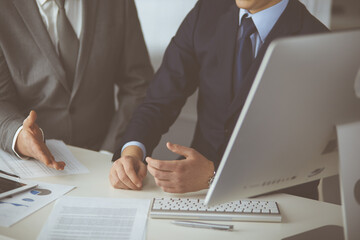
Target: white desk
(299, 214)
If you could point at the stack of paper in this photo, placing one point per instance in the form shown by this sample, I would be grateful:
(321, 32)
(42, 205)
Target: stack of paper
(97, 218)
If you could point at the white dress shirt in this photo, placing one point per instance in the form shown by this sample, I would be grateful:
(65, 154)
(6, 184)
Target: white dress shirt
(48, 10)
(264, 22)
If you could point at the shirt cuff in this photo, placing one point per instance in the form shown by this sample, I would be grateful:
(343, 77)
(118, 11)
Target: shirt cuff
(15, 139)
(14, 143)
(138, 144)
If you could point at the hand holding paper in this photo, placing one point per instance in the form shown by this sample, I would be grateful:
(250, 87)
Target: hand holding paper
(30, 143)
(33, 168)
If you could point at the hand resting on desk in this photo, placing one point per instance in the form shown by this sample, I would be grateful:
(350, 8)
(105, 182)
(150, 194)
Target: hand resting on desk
(128, 171)
(175, 176)
(30, 143)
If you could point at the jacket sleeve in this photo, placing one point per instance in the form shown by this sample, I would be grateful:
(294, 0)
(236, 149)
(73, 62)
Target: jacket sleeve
(10, 117)
(174, 82)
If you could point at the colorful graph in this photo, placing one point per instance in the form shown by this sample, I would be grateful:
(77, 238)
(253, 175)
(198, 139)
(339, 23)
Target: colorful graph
(40, 192)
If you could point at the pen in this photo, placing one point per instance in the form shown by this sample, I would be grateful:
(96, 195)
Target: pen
(204, 225)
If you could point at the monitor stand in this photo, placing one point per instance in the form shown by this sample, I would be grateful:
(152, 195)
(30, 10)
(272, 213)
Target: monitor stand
(349, 155)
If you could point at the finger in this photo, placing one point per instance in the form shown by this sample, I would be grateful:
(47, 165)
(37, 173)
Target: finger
(41, 155)
(44, 155)
(51, 160)
(55, 164)
(131, 173)
(161, 175)
(164, 183)
(115, 181)
(178, 149)
(124, 178)
(173, 190)
(30, 120)
(162, 165)
(59, 165)
(142, 172)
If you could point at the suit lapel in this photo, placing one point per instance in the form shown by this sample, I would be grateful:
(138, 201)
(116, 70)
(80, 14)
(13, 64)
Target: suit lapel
(86, 39)
(29, 12)
(288, 24)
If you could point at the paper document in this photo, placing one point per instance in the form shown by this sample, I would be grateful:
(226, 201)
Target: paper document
(15, 208)
(34, 168)
(97, 218)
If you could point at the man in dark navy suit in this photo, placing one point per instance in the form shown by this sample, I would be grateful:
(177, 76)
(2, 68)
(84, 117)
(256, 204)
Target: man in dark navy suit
(217, 50)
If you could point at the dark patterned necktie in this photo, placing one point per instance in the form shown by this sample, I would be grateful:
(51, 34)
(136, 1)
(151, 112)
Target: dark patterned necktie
(68, 44)
(244, 52)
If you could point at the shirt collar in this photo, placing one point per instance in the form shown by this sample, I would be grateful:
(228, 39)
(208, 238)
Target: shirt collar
(265, 19)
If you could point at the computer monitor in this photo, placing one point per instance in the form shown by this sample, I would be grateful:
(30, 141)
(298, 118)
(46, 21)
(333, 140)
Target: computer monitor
(349, 165)
(286, 133)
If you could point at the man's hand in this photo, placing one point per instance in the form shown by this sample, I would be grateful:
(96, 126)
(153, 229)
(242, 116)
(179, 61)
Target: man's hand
(128, 171)
(180, 176)
(30, 143)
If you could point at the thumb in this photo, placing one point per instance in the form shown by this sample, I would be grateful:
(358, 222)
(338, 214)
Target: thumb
(30, 120)
(142, 172)
(178, 149)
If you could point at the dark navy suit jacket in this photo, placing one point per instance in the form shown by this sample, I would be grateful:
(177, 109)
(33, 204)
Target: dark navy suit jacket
(201, 56)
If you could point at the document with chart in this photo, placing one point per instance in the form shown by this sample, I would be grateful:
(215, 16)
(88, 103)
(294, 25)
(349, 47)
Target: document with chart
(21, 205)
(97, 218)
(33, 168)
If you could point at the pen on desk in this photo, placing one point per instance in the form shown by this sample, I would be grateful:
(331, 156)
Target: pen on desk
(9, 174)
(204, 225)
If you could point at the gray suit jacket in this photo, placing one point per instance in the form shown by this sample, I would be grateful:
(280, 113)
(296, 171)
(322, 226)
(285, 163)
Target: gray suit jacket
(112, 52)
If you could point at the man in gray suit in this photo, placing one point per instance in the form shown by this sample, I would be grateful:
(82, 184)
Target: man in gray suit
(63, 60)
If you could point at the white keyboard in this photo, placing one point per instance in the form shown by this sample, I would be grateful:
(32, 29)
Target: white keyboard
(193, 208)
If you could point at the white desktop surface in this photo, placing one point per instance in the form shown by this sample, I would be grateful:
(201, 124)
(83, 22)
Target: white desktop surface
(299, 214)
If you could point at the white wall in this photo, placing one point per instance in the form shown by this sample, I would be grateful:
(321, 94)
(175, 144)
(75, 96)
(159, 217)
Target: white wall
(321, 9)
(160, 20)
